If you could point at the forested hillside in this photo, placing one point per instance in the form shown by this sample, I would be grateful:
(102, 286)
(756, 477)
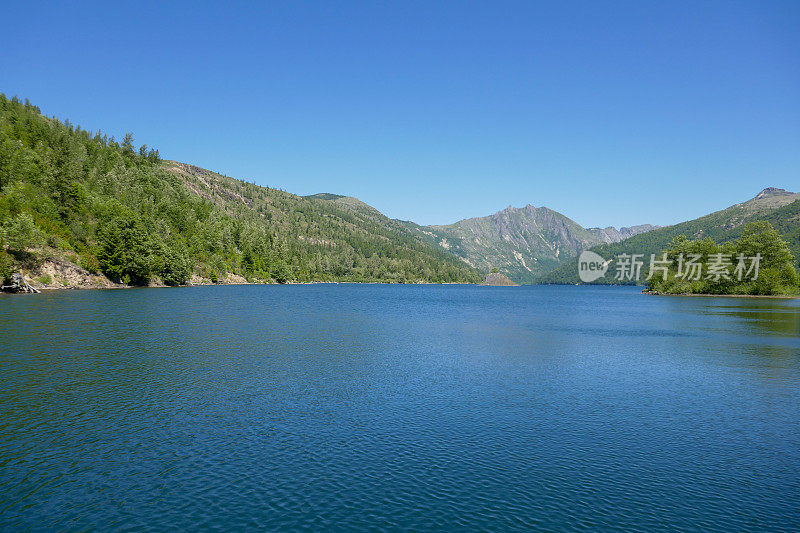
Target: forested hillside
(67, 194)
(779, 207)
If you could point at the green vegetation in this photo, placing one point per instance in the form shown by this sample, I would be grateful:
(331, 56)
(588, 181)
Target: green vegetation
(724, 226)
(124, 212)
(757, 263)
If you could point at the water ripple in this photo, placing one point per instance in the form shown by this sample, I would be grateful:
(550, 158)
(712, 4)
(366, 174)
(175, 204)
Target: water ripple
(398, 408)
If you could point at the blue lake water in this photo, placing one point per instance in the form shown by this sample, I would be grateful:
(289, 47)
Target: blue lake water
(372, 407)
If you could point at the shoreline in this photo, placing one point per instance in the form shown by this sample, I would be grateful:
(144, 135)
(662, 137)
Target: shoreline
(60, 273)
(768, 296)
(114, 287)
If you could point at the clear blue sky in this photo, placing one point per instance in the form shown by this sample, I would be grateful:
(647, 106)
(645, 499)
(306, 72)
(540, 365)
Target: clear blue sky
(612, 114)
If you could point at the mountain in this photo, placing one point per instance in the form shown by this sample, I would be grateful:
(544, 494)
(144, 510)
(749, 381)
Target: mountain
(521, 243)
(339, 236)
(82, 204)
(778, 206)
(610, 234)
(76, 205)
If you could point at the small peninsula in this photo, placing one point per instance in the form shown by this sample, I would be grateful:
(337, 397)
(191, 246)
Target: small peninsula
(495, 279)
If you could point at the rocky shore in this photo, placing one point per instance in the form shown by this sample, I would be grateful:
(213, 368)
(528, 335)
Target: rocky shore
(60, 273)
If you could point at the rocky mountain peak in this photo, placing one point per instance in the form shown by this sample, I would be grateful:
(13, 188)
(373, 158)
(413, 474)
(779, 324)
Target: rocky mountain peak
(772, 191)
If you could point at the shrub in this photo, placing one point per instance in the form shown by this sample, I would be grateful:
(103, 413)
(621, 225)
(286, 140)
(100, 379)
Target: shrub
(90, 263)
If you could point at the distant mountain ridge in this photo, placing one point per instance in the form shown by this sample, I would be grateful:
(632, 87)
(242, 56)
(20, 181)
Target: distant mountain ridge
(612, 234)
(521, 243)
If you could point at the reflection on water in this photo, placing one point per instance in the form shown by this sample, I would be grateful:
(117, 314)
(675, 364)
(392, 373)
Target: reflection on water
(774, 316)
(398, 407)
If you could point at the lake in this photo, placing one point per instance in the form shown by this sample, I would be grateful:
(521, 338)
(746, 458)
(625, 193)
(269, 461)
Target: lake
(378, 407)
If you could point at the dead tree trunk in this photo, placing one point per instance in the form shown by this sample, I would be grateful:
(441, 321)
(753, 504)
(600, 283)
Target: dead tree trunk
(17, 283)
